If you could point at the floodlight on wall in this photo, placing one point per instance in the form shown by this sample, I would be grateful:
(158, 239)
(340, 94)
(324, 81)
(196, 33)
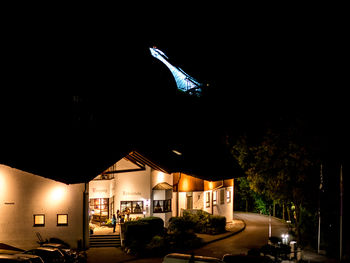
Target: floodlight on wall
(2, 184)
(57, 193)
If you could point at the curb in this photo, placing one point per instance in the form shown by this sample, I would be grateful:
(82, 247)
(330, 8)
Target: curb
(226, 236)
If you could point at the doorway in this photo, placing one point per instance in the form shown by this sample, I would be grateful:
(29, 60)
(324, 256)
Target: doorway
(99, 210)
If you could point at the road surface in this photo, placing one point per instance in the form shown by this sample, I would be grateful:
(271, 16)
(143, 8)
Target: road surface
(255, 235)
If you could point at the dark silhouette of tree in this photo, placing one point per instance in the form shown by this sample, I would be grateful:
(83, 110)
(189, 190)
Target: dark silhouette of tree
(279, 166)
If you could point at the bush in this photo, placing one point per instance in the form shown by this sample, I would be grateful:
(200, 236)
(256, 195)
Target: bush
(217, 224)
(139, 233)
(206, 223)
(156, 246)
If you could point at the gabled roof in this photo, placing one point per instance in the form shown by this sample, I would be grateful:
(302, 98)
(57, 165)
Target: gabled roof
(162, 186)
(138, 158)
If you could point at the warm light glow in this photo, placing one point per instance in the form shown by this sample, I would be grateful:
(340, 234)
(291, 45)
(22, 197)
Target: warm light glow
(2, 184)
(185, 185)
(57, 194)
(160, 177)
(210, 185)
(177, 152)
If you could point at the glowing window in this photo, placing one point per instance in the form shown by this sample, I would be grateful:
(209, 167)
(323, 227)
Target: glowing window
(215, 197)
(39, 220)
(62, 220)
(228, 196)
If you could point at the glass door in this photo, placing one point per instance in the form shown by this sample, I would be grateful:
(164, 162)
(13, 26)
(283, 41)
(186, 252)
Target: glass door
(99, 209)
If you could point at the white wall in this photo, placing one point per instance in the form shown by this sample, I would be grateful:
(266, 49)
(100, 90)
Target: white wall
(198, 202)
(225, 209)
(100, 188)
(24, 194)
(133, 186)
(160, 177)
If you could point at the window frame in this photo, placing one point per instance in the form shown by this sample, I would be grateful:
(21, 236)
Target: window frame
(228, 196)
(62, 224)
(38, 215)
(222, 196)
(132, 206)
(207, 199)
(215, 197)
(165, 205)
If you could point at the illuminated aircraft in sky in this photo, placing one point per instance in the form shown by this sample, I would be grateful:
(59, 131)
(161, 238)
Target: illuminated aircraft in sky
(183, 81)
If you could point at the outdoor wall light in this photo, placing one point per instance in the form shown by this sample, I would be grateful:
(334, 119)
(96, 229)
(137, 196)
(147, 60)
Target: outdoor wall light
(57, 194)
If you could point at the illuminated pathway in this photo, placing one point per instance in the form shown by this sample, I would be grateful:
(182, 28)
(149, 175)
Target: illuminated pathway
(254, 236)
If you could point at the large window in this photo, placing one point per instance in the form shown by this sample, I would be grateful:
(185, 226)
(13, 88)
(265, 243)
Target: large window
(161, 206)
(135, 207)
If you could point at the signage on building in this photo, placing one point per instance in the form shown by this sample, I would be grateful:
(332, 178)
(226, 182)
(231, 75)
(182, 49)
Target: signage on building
(131, 193)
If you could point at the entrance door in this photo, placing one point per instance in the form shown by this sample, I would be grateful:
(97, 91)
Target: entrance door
(189, 200)
(99, 210)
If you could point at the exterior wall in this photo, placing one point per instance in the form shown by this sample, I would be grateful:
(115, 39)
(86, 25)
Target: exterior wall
(160, 177)
(225, 209)
(198, 200)
(22, 195)
(134, 186)
(101, 188)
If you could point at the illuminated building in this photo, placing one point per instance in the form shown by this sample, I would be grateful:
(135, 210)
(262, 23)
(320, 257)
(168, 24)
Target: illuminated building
(31, 204)
(184, 82)
(145, 188)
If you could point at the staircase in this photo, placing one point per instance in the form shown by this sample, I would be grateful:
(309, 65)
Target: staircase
(104, 241)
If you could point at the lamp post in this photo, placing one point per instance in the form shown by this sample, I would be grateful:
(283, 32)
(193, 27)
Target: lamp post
(270, 230)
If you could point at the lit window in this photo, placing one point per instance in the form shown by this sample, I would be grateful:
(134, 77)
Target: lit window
(39, 220)
(228, 196)
(215, 197)
(207, 199)
(161, 206)
(62, 220)
(134, 207)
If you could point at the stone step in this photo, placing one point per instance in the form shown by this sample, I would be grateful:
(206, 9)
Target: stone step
(105, 241)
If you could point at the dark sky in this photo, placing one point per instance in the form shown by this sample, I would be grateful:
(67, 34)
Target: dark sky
(256, 72)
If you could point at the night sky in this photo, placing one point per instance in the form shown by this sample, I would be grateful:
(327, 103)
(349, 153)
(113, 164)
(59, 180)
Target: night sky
(259, 74)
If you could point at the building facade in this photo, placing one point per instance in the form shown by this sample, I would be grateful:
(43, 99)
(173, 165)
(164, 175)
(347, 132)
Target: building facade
(32, 205)
(137, 185)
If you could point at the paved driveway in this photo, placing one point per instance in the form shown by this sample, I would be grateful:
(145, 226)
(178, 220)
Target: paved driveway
(254, 236)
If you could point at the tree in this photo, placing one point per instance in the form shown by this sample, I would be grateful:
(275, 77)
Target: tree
(278, 167)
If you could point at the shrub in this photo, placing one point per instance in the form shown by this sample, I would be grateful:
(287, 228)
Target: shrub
(139, 233)
(217, 224)
(205, 222)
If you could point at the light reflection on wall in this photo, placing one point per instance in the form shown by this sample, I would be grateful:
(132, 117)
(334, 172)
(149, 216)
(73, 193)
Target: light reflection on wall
(2, 185)
(57, 194)
(210, 185)
(160, 177)
(185, 184)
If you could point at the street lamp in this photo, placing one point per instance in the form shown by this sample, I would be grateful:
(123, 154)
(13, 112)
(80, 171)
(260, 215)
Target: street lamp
(285, 239)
